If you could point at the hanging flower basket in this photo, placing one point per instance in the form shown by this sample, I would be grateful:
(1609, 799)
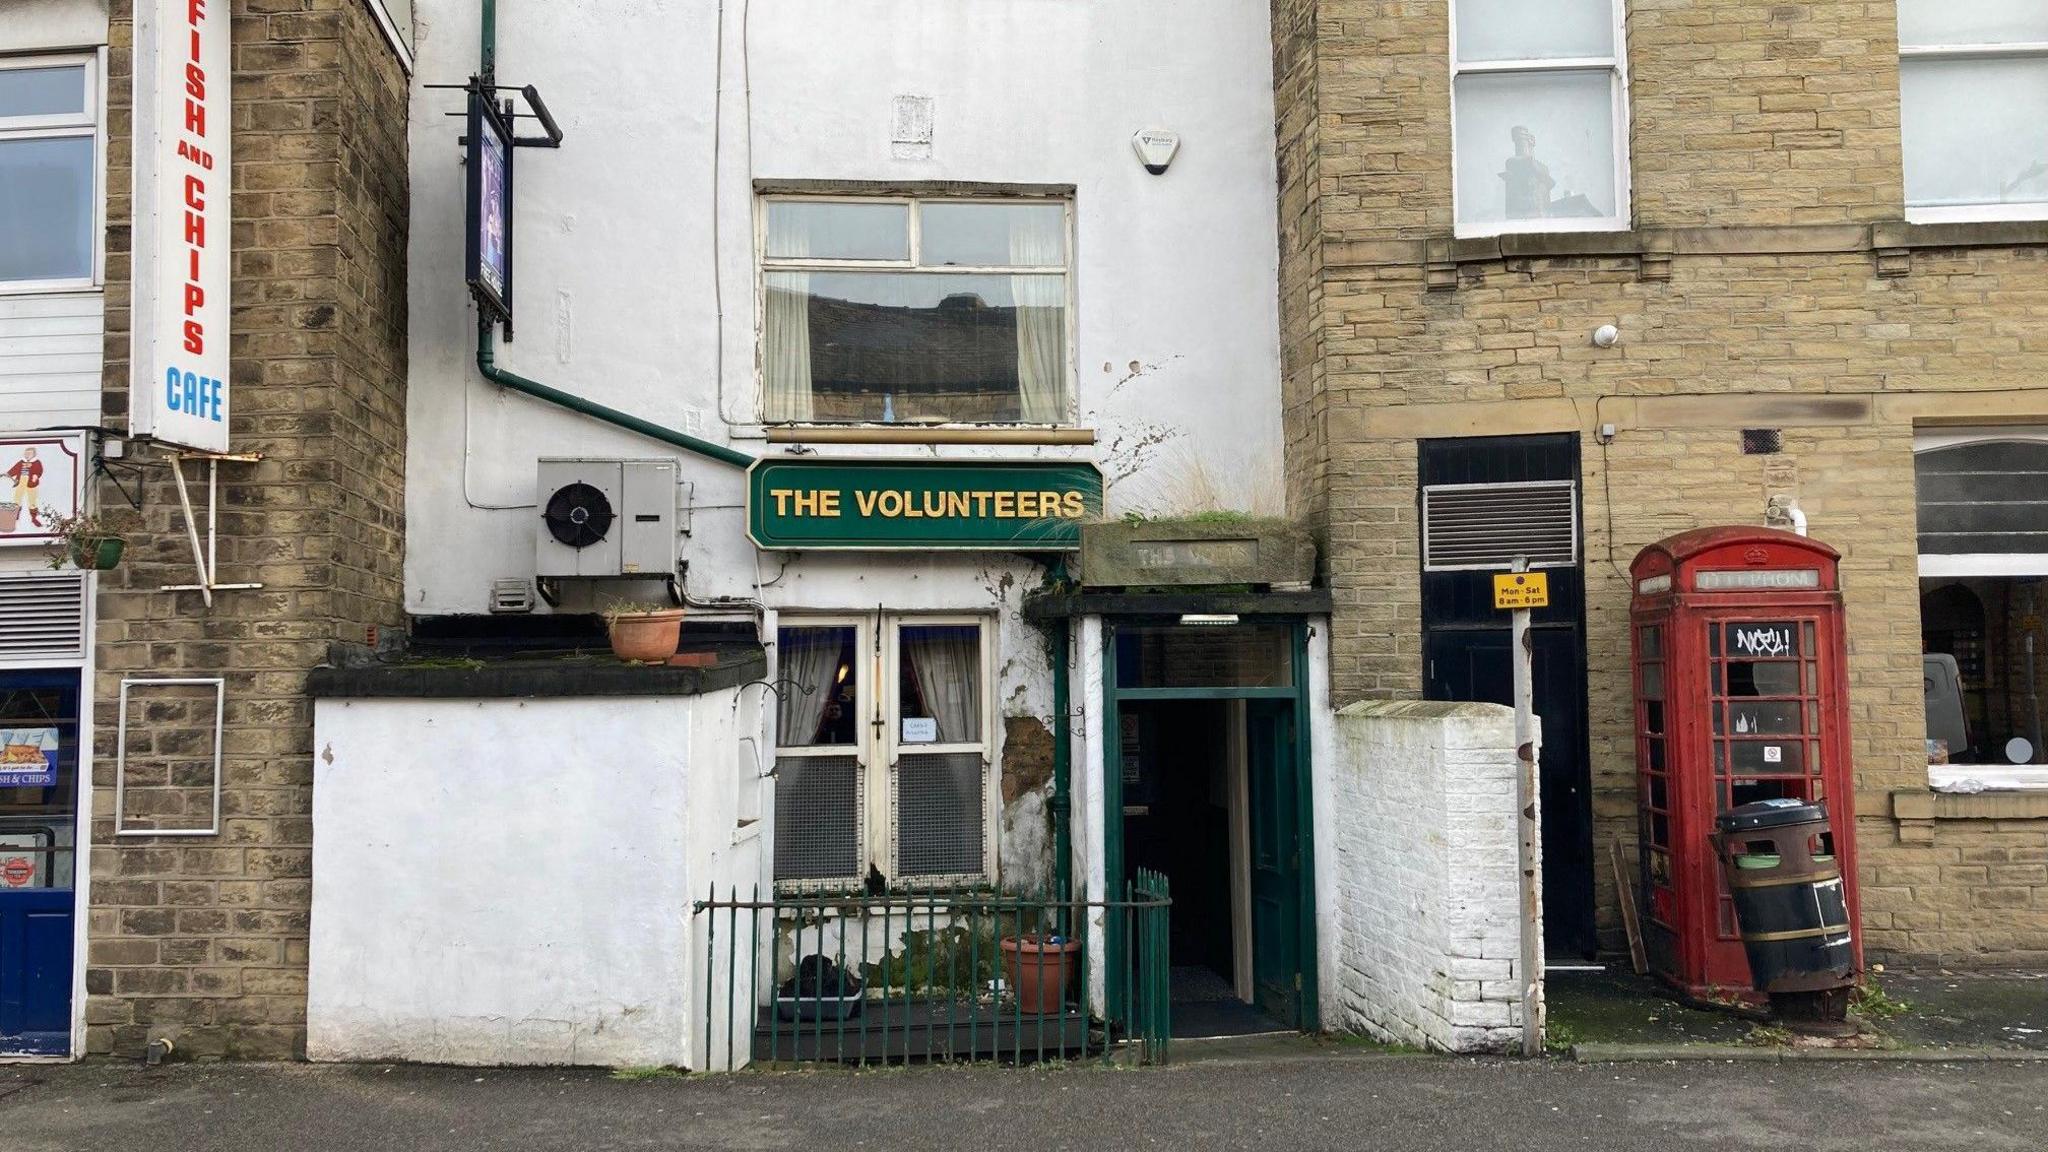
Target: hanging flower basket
(99, 553)
(84, 542)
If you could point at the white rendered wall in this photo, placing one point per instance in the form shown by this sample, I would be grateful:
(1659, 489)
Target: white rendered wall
(508, 881)
(629, 295)
(1426, 923)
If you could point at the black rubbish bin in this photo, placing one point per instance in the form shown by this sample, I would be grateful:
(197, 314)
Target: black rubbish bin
(1790, 906)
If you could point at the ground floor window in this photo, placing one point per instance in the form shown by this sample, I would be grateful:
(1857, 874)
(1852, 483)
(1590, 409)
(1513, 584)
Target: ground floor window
(1982, 499)
(883, 737)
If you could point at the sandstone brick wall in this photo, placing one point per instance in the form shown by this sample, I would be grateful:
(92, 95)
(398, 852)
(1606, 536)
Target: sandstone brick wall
(204, 940)
(1768, 283)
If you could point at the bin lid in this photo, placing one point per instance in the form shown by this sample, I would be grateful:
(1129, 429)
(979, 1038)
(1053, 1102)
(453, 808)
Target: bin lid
(1771, 814)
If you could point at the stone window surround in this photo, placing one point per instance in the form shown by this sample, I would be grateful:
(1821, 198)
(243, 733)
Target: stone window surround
(1890, 245)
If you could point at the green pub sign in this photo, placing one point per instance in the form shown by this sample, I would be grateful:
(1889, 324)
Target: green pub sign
(1020, 505)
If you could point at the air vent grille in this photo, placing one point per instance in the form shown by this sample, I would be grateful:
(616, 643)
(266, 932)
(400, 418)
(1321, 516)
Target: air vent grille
(42, 617)
(1469, 526)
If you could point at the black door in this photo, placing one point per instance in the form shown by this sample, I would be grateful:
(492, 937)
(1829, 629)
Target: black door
(1465, 650)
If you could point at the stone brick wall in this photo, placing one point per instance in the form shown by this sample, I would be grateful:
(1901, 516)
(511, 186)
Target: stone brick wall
(1768, 282)
(204, 940)
(1428, 919)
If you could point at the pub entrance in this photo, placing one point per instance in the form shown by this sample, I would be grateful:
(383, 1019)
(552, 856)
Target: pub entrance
(1207, 765)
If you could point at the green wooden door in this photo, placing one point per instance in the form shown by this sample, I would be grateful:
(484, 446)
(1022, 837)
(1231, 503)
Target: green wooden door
(1276, 858)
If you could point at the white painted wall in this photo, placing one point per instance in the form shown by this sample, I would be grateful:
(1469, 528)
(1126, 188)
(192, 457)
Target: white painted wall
(636, 270)
(622, 279)
(508, 881)
(1425, 926)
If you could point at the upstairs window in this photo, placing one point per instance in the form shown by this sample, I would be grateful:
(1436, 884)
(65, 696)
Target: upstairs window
(1539, 116)
(49, 171)
(914, 311)
(1973, 109)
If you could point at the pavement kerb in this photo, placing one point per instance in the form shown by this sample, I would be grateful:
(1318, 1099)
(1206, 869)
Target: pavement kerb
(1628, 1053)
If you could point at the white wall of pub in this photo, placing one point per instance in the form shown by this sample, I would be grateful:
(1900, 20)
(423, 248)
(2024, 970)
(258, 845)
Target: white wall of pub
(470, 863)
(636, 271)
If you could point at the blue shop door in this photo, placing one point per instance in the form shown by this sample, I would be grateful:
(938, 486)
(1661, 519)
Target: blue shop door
(38, 860)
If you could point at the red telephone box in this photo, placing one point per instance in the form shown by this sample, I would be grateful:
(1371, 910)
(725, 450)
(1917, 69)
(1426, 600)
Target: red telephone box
(1741, 694)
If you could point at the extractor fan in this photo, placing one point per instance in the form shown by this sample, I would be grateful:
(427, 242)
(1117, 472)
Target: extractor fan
(578, 515)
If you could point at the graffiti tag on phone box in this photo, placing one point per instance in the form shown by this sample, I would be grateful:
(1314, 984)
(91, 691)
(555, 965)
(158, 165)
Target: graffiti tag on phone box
(1761, 641)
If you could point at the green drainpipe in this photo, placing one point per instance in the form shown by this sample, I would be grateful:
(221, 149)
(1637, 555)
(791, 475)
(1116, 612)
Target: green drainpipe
(1062, 770)
(486, 364)
(486, 357)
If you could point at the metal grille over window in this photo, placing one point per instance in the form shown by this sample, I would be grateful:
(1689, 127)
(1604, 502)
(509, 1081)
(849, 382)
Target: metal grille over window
(817, 818)
(42, 616)
(939, 814)
(1470, 526)
(1989, 497)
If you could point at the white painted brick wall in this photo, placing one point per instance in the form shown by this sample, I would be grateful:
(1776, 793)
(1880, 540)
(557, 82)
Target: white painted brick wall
(1427, 916)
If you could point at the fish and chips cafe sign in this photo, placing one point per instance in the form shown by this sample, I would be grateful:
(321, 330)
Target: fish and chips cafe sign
(871, 505)
(180, 241)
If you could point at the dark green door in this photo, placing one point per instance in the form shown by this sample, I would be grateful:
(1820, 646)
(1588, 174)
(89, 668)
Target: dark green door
(1276, 858)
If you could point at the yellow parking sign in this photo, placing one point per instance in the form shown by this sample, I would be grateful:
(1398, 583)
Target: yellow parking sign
(1521, 590)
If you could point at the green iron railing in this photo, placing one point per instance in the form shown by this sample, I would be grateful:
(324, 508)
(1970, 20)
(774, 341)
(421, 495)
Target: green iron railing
(945, 974)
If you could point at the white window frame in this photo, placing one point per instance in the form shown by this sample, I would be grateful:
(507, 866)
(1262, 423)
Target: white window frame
(765, 264)
(1617, 65)
(1966, 564)
(1968, 213)
(92, 122)
(878, 747)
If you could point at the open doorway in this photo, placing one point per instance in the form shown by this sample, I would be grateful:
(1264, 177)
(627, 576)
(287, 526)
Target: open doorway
(1201, 807)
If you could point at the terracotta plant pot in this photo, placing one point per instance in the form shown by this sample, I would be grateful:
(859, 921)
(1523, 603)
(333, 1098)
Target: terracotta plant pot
(10, 516)
(1040, 971)
(647, 637)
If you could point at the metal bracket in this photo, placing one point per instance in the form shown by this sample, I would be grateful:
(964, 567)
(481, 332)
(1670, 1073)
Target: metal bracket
(204, 558)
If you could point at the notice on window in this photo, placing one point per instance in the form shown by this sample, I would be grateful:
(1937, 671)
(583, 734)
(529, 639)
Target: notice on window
(920, 729)
(28, 757)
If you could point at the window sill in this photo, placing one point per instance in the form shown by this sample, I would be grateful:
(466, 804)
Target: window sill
(1924, 806)
(1918, 232)
(925, 434)
(51, 288)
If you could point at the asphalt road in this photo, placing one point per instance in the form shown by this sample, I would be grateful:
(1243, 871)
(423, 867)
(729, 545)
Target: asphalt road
(1347, 1101)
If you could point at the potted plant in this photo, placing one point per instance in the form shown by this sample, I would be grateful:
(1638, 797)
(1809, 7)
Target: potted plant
(1040, 968)
(644, 633)
(85, 541)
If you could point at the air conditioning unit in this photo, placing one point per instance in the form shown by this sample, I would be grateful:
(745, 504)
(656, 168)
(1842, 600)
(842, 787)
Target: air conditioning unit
(606, 519)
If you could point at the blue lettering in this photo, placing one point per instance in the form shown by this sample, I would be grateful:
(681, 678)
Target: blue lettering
(171, 389)
(191, 393)
(213, 398)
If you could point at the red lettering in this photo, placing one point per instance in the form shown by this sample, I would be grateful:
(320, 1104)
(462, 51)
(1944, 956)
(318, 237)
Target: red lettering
(195, 338)
(193, 256)
(195, 299)
(195, 230)
(195, 193)
(195, 11)
(195, 82)
(194, 52)
(195, 117)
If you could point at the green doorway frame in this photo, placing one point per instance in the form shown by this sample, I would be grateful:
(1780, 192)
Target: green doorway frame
(1308, 1012)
